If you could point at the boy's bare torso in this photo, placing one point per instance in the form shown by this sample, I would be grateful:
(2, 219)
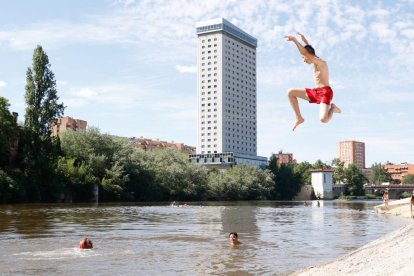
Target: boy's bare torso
(320, 72)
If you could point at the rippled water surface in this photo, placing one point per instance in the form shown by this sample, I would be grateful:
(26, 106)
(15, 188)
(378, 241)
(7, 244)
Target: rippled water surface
(135, 239)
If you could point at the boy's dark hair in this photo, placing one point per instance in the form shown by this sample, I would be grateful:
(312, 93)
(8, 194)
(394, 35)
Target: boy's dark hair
(310, 49)
(234, 233)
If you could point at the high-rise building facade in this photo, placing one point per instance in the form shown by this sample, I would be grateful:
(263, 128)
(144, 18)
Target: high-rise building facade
(226, 87)
(352, 152)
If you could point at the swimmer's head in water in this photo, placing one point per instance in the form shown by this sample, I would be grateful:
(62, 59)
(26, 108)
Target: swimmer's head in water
(233, 236)
(86, 244)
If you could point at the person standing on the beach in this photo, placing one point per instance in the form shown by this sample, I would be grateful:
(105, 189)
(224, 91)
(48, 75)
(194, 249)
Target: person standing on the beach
(411, 204)
(322, 94)
(385, 199)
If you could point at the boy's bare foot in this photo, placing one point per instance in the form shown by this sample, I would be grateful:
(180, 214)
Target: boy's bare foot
(335, 108)
(298, 122)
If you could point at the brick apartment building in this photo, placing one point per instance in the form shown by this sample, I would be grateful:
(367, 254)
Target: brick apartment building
(284, 158)
(65, 123)
(352, 152)
(397, 172)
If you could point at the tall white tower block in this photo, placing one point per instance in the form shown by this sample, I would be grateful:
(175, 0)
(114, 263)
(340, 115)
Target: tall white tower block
(227, 93)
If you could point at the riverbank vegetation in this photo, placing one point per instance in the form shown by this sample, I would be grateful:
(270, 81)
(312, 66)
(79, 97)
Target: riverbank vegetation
(80, 166)
(85, 162)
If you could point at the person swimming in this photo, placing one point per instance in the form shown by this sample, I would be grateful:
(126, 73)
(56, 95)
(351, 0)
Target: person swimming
(85, 244)
(234, 239)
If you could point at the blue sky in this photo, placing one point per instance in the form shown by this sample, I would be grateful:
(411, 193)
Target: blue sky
(128, 67)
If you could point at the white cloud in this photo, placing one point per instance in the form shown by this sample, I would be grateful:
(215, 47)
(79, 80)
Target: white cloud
(74, 102)
(383, 31)
(85, 93)
(3, 84)
(380, 13)
(409, 33)
(186, 69)
(174, 27)
(129, 96)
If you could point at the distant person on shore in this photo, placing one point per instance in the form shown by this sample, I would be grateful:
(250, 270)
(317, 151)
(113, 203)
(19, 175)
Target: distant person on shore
(385, 199)
(234, 239)
(322, 94)
(85, 244)
(412, 204)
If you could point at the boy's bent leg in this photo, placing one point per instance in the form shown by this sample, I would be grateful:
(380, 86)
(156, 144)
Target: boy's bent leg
(326, 111)
(335, 108)
(293, 95)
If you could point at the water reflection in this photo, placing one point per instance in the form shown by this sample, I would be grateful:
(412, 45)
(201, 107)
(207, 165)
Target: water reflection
(277, 237)
(240, 219)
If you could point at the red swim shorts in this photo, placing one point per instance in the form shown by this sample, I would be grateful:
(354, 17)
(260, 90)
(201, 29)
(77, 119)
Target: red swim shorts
(320, 95)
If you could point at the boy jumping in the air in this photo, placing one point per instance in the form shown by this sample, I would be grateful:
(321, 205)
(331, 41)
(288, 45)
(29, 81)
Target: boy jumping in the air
(322, 94)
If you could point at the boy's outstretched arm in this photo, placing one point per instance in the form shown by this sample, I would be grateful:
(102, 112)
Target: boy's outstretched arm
(301, 49)
(303, 38)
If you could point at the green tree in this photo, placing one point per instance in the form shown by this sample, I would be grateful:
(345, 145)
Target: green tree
(241, 182)
(7, 187)
(287, 182)
(259, 183)
(180, 179)
(39, 156)
(355, 180)
(141, 185)
(78, 178)
(114, 181)
(104, 155)
(319, 164)
(40, 151)
(8, 131)
(408, 179)
(379, 174)
(42, 105)
(303, 171)
(339, 171)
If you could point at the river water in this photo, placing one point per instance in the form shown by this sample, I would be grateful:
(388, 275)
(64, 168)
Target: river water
(157, 239)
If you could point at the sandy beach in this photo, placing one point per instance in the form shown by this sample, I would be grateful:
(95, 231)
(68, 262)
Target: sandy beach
(392, 254)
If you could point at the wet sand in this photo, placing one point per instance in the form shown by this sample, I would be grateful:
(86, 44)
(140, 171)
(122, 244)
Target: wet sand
(392, 254)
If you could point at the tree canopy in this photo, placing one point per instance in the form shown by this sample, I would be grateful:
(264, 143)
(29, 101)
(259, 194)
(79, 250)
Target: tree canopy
(8, 131)
(379, 174)
(355, 180)
(40, 152)
(42, 105)
(408, 179)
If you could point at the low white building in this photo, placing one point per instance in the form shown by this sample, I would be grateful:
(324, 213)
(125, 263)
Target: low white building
(322, 183)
